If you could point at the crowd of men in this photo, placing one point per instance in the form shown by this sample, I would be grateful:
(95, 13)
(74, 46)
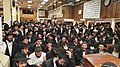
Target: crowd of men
(35, 44)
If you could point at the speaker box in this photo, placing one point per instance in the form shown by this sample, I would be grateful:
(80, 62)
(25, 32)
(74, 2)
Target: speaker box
(13, 3)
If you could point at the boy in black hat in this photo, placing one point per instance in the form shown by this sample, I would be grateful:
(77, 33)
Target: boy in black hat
(21, 60)
(37, 57)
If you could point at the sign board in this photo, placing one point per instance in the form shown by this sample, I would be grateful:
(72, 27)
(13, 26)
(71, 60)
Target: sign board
(92, 9)
(41, 13)
(56, 12)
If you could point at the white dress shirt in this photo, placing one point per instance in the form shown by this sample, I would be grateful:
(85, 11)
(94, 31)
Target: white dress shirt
(77, 30)
(10, 47)
(35, 60)
(22, 32)
(54, 63)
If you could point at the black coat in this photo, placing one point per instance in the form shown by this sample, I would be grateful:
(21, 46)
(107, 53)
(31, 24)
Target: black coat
(49, 63)
(50, 54)
(15, 49)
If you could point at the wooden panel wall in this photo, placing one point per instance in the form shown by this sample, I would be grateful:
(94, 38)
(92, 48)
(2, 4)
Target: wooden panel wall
(112, 11)
(26, 17)
(67, 12)
(77, 16)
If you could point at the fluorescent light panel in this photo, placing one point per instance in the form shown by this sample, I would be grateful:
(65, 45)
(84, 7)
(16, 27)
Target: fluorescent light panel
(43, 3)
(29, 5)
(77, 0)
(29, 1)
(40, 6)
(59, 1)
(45, 0)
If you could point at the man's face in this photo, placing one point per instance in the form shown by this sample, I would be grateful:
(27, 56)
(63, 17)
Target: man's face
(61, 61)
(16, 27)
(22, 64)
(101, 47)
(26, 41)
(38, 53)
(63, 39)
(25, 50)
(84, 46)
(10, 37)
(3, 34)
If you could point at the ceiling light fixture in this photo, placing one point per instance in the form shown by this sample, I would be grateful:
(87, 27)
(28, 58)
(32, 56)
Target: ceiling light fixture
(29, 5)
(54, 1)
(16, 3)
(59, 1)
(77, 0)
(29, 1)
(40, 6)
(43, 2)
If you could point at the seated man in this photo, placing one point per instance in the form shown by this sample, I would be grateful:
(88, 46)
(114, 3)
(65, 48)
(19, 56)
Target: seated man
(37, 57)
(101, 49)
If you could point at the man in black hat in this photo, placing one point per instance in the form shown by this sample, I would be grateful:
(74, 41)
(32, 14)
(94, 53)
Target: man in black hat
(37, 43)
(11, 47)
(101, 48)
(24, 49)
(63, 59)
(53, 53)
(21, 60)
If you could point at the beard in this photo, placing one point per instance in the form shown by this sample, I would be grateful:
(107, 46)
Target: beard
(37, 56)
(59, 65)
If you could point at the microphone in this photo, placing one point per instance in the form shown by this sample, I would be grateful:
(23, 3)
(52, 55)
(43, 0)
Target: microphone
(1, 64)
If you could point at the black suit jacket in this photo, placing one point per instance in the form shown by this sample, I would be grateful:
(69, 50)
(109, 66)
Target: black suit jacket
(15, 49)
(49, 63)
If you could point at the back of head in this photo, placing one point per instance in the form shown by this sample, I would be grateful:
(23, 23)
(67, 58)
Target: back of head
(109, 64)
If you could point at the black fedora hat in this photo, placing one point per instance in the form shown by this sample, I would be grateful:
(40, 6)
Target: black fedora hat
(9, 33)
(109, 64)
(38, 49)
(55, 47)
(23, 45)
(70, 45)
(20, 57)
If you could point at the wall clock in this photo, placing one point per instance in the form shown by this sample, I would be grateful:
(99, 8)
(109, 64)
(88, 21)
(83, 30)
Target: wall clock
(107, 2)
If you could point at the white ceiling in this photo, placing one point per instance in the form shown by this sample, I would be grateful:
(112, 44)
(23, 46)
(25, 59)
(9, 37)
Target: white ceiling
(34, 5)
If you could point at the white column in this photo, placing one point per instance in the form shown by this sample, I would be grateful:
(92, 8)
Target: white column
(38, 14)
(7, 11)
(0, 31)
(14, 13)
(113, 25)
(88, 24)
(18, 14)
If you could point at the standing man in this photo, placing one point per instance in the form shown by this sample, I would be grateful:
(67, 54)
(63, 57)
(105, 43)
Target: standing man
(11, 47)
